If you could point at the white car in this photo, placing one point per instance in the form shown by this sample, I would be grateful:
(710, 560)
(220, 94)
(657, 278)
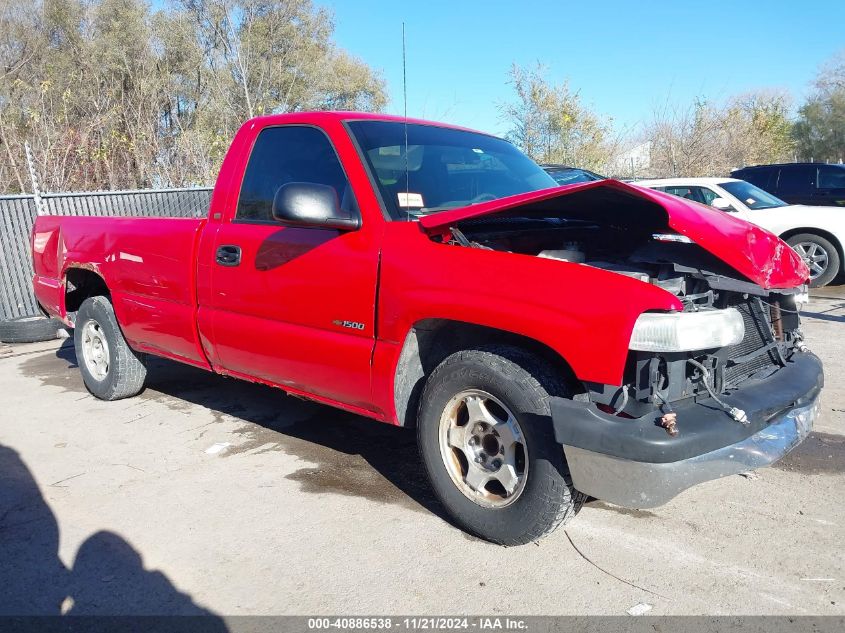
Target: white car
(816, 233)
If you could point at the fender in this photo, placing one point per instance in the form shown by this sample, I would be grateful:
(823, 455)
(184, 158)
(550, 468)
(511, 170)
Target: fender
(560, 305)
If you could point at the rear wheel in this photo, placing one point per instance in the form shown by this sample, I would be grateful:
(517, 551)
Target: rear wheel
(486, 439)
(110, 369)
(821, 257)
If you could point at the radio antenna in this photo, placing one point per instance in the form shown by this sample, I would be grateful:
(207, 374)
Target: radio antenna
(405, 106)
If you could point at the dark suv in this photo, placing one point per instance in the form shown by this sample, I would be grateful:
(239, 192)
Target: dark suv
(799, 183)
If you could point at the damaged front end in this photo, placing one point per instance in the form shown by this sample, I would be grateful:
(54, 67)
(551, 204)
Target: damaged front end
(722, 386)
(682, 417)
(755, 334)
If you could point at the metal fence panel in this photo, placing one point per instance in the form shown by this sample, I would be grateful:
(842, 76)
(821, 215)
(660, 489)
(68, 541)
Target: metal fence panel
(17, 215)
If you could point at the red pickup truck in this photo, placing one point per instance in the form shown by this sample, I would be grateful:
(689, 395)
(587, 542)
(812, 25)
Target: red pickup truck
(548, 343)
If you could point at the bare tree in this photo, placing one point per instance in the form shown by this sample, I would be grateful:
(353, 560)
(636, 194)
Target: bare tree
(820, 129)
(111, 95)
(707, 139)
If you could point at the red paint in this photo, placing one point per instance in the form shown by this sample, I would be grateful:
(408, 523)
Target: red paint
(754, 252)
(272, 319)
(148, 265)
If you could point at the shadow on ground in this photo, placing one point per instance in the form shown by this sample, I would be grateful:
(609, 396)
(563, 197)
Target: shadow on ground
(835, 290)
(347, 454)
(820, 453)
(107, 576)
(825, 316)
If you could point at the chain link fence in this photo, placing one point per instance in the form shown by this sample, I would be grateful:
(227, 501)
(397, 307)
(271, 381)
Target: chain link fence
(17, 215)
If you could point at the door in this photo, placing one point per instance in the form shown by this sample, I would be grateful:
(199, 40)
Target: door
(293, 305)
(797, 183)
(830, 186)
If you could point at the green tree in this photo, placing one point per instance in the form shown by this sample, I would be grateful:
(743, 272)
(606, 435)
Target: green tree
(755, 128)
(820, 129)
(552, 125)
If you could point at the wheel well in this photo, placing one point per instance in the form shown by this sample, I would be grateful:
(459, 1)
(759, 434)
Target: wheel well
(430, 341)
(830, 237)
(80, 284)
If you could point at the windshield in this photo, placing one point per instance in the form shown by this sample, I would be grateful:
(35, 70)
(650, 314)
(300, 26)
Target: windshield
(751, 196)
(572, 175)
(446, 168)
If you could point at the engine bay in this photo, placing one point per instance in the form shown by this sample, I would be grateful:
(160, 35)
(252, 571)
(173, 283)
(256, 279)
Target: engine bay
(656, 256)
(645, 249)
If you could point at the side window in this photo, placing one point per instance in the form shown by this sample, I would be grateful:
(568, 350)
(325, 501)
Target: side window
(708, 195)
(759, 176)
(690, 193)
(831, 177)
(288, 154)
(796, 179)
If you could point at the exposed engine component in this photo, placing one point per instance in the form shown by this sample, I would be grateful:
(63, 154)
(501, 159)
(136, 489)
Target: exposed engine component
(571, 252)
(735, 412)
(629, 250)
(642, 249)
(623, 269)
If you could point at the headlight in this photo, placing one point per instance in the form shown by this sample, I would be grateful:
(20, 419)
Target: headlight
(684, 331)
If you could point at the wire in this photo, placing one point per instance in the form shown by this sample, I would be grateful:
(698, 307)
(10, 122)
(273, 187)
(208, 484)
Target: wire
(737, 414)
(622, 406)
(664, 401)
(782, 309)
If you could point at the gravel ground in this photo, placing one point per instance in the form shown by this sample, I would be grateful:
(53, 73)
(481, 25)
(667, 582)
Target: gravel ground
(209, 495)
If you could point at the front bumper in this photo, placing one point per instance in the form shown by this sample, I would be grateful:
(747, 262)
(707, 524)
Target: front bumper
(636, 464)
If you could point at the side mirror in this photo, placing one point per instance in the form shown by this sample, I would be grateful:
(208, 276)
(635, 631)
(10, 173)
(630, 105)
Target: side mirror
(722, 204)
(314, 205)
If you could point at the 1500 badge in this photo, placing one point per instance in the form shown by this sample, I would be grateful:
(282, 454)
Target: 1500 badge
(352, 325)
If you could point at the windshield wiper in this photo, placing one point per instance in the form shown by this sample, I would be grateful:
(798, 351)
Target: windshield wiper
(427, 210)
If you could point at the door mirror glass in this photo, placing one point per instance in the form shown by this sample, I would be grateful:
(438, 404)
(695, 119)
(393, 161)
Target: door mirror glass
(722, 204)
(312, 204)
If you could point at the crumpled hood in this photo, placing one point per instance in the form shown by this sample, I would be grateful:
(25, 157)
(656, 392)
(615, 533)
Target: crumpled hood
(757, 254)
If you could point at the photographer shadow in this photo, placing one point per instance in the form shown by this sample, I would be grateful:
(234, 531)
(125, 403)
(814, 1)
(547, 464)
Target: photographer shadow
(107, 578)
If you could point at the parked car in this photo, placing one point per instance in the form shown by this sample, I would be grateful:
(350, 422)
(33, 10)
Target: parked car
(564, 175)
(547, 343)
(799, 183)
(816, 233)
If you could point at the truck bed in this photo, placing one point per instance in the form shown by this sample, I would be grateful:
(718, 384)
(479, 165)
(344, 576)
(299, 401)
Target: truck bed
(150, 264)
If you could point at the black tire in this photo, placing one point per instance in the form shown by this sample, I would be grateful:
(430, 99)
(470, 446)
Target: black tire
(833, 260)
(523, 383)
(29, 329)
(124, 372)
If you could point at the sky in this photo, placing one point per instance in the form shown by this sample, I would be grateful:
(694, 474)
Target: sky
(625, 58)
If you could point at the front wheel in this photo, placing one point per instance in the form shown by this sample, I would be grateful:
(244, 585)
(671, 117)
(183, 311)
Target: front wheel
(821, 257)
(111, 370)
(487, 443)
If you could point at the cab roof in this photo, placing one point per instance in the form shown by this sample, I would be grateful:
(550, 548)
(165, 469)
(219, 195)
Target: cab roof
(343, 115)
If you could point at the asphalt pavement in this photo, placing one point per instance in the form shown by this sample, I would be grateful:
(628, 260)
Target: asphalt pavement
(209, 495)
